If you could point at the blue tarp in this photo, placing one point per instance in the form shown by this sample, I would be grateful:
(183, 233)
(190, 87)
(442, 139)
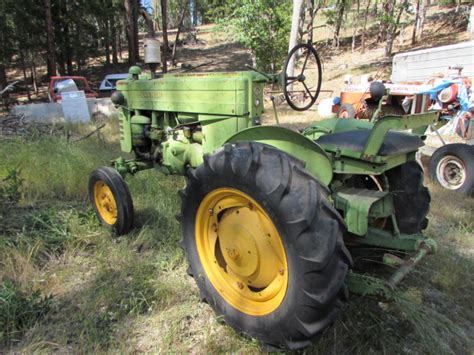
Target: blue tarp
(462, 92)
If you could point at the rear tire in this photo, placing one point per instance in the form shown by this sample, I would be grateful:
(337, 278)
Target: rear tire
(411, 198)
(309, 231)
(452, 166)
(110, 196)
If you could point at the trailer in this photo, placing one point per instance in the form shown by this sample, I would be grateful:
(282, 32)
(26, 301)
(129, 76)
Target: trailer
(419, 66)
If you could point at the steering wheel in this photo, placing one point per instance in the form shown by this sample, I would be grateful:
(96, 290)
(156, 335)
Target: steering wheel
(301, 87)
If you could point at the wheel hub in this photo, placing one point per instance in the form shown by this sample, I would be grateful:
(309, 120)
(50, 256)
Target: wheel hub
(241, 251)
(451, 172)
(105, 202)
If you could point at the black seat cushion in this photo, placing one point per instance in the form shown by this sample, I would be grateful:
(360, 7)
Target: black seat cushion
(394, 143)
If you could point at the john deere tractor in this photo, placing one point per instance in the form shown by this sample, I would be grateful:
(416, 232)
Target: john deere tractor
(270, 216)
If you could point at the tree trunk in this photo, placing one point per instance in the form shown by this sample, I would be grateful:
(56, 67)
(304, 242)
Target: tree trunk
(25, 76)
(180, 26)
(301, 22)
(136, 14)
(295, 22)
(119, 42)
(391, 33)
(424, 8)
(68, 49)
(458, 6)
(356, 27)
(113, 36)
(50, 51)
(364, 29)
(156, 11)
(311, 11)
(387, 8)
(130, 21)
(340, 17)
(107, 41)
(3, 76)
(164, 28)
(34, 77)
(416, 24)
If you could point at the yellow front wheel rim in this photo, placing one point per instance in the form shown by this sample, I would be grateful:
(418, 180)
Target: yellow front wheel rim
(105, 202)
(241, 251)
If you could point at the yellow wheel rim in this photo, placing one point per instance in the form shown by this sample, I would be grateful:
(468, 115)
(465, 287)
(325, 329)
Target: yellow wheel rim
(241, 251)
(105, 202)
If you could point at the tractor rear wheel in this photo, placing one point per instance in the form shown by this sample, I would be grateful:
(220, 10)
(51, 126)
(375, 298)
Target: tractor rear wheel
(411, 198)
(264, 244)
(111, 199)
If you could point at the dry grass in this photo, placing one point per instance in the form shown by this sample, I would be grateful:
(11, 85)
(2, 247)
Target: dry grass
(132, 293)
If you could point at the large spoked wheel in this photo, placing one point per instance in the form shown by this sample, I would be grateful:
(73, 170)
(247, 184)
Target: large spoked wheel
(301, 86)
(111, 199)
(452, 166)
(264, 244)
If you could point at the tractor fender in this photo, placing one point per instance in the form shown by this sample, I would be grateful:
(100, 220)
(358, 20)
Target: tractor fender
(317, 162)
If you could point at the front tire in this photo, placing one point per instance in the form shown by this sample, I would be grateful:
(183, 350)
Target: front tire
(110, 196)
(264, 244)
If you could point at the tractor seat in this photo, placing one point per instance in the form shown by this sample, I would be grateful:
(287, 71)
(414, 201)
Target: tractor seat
(394, 143)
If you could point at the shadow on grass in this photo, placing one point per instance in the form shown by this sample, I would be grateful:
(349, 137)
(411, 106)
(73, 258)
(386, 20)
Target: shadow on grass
(423, 316)
(88, 318)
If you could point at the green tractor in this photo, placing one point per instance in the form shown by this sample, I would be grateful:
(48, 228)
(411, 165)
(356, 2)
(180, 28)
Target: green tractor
(270, 216)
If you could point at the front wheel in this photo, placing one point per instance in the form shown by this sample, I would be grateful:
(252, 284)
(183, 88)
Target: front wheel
(264, 244)
(452, 166)
(111, 199)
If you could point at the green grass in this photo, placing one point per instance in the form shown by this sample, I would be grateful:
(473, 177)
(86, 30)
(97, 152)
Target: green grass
(131, 293)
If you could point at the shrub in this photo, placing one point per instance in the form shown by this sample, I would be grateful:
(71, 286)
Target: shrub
(263, 26)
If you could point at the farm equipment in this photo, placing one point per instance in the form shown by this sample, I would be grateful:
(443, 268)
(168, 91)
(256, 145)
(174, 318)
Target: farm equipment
(452, 166)
(268, 215)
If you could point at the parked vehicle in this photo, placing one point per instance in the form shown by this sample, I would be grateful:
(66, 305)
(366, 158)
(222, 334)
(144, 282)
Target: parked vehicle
(110, 82)
(59, 84)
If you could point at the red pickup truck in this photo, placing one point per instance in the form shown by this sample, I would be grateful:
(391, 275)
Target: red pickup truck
(59, 84)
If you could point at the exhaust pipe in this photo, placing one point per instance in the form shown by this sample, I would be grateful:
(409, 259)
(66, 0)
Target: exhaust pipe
(151, 45)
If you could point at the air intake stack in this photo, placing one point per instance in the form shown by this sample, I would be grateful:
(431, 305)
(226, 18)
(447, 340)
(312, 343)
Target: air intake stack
(151, 45)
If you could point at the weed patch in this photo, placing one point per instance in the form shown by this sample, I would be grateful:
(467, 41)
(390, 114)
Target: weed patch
(19, 311)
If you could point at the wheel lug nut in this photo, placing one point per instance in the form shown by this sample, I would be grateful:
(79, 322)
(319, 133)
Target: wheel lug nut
(240, 284)
(214, 227)
(211, 211)
(281, 271)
